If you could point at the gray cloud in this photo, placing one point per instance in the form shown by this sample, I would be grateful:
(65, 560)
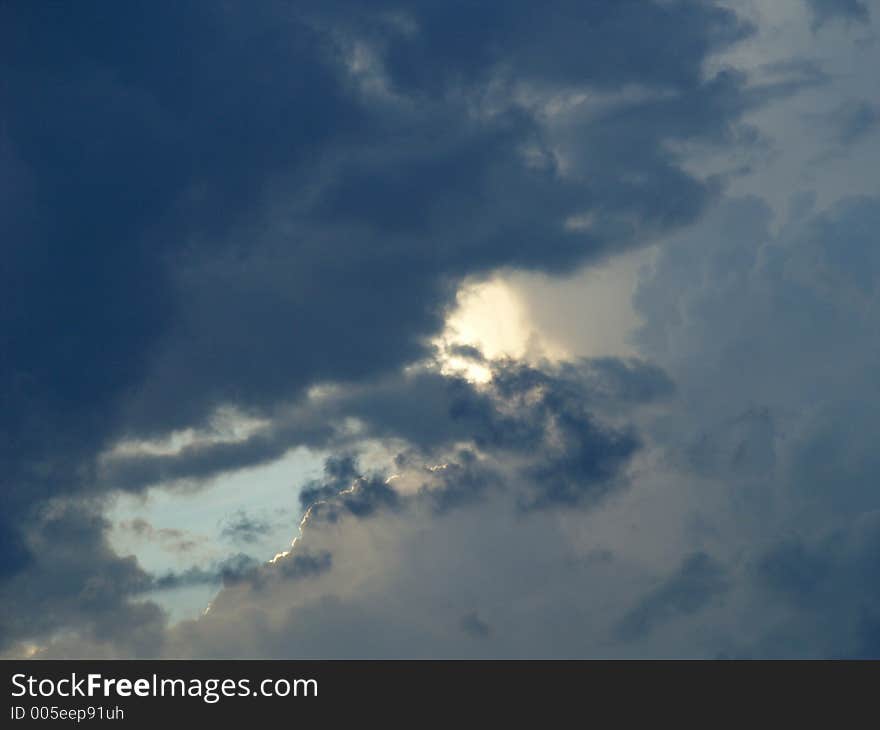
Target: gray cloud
(828, 583)
(243, 569)
(853, 120)
(172, 539)
(192, 225)
(697, 582)
(532, 442)
(541, 420)
(188, 230)
(230, 570)
(429, 411)
(825, 11)
(245, 528)
(748, 322)
(75, 580)
(474, 626)
(693, 559)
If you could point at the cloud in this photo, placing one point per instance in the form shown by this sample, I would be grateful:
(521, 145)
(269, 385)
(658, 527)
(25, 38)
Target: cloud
(744, 524)
(271, 209)
(687, 560)
(190, 295)
(245, 528)
(468, 352)
(172, 539)
(699, 580)
(853, 120)
(825, 11)
(75, 580)
(828, 585)
(472, 625)
(363, 497)
(424, 408)
(506, 460)
(523, 450)
(747, 322)
(230, 570)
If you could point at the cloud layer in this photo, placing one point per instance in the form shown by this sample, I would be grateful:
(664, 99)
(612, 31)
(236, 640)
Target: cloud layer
(269, 211)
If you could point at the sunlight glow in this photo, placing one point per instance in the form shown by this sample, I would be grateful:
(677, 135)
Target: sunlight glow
(491, 317)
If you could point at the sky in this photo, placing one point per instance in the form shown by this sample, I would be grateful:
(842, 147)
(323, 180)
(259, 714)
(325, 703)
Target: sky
(440, 329)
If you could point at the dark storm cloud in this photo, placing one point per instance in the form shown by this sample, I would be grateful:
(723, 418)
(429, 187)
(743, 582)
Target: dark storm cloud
(131, 147)
(13, 553)
(549, 416)
(196, 462)
(545, 421)
(460, 481)
(207, 205)
(553, 417)
(608, 43)
(123, 145)
(74, 579)
(165, 252)
(426, 409)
